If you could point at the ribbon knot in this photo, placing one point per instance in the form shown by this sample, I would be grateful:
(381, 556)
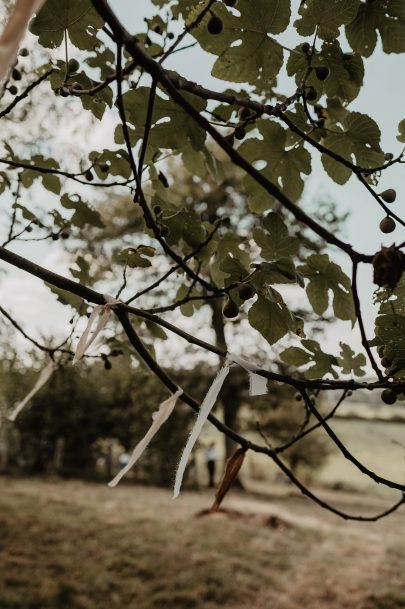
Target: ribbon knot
(103, 312)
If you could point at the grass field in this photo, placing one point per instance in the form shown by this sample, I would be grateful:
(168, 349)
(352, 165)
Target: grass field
(79, 545)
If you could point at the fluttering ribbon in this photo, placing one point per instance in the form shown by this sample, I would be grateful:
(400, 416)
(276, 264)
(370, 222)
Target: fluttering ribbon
(42, 380)
(202, 416)
(258, 386)
(159, 417)
(14, 32)
(257, 383)
(103, 312)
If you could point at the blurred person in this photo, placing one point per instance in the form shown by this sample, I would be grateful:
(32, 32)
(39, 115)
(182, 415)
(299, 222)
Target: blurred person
(211, 459)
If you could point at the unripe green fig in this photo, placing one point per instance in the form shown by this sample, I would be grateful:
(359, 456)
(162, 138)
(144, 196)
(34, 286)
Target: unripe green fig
(215, 25)
(13, 90)
(73, 66)
(245, 291)
(230, 309)
(387, 225)
(311, 93)
(240, 133)
(16, 74)
(389, 396)
(389, 195)
(322, 72)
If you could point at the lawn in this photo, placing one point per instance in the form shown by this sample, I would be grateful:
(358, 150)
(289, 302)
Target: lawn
(82, 545)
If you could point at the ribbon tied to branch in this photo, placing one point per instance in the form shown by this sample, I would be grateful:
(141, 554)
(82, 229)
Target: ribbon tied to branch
(103, 313)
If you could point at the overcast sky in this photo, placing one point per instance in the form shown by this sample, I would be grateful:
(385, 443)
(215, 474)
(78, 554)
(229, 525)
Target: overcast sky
(383, 99)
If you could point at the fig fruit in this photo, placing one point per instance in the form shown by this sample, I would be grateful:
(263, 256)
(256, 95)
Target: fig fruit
(230, 309)
(311, 93)
(245, 291)
(389, 195)
(387, 225)
(240, 133)
(73, 66)
(215, 25)
(389, 396)
(322, 72)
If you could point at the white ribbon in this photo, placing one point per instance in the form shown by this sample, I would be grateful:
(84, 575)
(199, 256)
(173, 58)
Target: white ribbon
(14, 32)
(159, 417)
(203, 413)
(42, 380)
(257, 383)
(103, 312)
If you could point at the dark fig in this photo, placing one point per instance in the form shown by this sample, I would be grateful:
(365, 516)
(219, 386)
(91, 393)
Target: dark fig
(244, 113)
(13, 90)
(386, 362)
(104, 167)
(24, 52)
(389, 195)
(389, 396)
(387, 225)
(306, 48)
(215, 25)
(73, 66)
(89, 176)
(16, 74)
(322, 72)
(230, 309)
(240, 133)
(245, 291)
(311, 93)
